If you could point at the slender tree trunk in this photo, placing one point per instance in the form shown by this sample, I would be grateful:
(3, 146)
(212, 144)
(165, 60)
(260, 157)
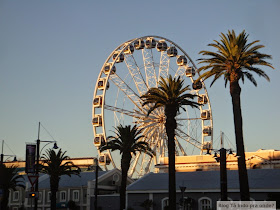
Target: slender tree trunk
(170, 126)
(235, 92)
(125, 163)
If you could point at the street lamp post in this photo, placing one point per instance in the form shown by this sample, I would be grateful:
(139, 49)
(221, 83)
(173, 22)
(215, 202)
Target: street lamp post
(183, 188)
(223, 168)
(38, 141)
(2, 155)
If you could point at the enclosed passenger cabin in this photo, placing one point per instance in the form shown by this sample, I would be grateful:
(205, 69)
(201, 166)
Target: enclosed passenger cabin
(197, 85)
(150, 43)
(99, 140)
(207, 131)
(97, 121)
(104, 159)
(202, 99)
(97, 101)
(182, 60)
(207, 146)
(101, 84)
(119, 57)
(205, 115)
(172, 51)
(129, 49)
(190, 71)
(161, 45)
(139, 44)
(108, 67)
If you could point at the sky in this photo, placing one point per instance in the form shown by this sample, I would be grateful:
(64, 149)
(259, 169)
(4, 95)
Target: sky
(51, 53)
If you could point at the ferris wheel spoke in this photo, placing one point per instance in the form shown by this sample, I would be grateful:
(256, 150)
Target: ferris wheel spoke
(180, 71)
(134, 98)
(135, 74)
(180, 147)
(126, 112)
(188, 138)
(164, 65)
(149, 65)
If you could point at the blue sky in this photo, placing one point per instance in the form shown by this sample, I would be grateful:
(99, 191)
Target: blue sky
(51, 53)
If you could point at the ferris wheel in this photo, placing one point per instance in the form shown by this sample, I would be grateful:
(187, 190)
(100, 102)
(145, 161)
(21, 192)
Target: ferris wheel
(129, 71)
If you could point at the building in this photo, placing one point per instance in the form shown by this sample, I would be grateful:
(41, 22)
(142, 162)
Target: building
(78, 189)
(202, 188)
(261, 159)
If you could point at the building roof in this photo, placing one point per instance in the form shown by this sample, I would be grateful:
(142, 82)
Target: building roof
(259, 179)
(66, 181)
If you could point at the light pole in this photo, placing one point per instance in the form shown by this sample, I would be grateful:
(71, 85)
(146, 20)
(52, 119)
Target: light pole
(223, 168)
(96, 182)
(183, 188)
(37, 163)
(2, 155)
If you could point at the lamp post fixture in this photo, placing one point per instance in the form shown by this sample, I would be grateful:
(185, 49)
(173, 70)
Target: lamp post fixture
(223, 168)
(2, 155)
(95, 160)
(38, 141)
(183, 188)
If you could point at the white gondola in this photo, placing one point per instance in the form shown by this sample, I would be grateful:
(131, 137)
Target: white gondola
(129, 49)
(190, 71)
(205, 115)
(172, 51)
(119, 57)
(99, 140)
(161, 45)
(202, 99)
(139, 44)
(97, 121)
(207, 146)
(150, 43)
(108, 67)
(197, 85)
(207, 131)
(97, 101)
(182, 60)
(101, 84)
(104, 159)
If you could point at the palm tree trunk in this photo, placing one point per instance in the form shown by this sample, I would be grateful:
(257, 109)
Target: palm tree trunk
(54, 188)
(235, 92)
(170, 126)
(125, 163)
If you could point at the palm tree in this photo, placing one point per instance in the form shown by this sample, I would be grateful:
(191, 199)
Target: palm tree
(128, 142)
(9, 179)
(235, 59)
(56, 165)
(171, 96)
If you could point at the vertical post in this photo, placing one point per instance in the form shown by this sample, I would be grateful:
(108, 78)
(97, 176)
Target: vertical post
(223, 174)
(96, 183)
(37, 167)
(2, 155)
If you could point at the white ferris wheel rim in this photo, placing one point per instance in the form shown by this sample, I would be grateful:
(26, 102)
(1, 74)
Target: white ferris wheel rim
(121, 48)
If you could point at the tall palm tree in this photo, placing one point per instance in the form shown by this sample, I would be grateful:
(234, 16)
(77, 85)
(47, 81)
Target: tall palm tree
(54, 166)
(9, 179)
(235, 59)
(128, 142)
(171, 95)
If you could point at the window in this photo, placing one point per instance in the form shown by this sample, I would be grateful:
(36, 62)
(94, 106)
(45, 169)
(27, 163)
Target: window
(205, 203)
(76, 195)
(63, 196)
(164, 203)
(40, 197)
(15, 195)
(49, 197)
